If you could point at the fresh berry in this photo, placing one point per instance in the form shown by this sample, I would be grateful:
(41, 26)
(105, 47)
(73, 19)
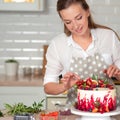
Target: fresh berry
(95, 110)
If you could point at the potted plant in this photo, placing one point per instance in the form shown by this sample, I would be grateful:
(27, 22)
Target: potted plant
(11, 67)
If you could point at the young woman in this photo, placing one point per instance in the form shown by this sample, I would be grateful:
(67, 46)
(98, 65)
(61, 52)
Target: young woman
(84, 49)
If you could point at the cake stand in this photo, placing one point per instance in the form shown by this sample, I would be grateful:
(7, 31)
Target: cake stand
(95, 116)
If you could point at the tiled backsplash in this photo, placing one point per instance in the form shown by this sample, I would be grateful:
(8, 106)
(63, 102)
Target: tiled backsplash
(23, 34)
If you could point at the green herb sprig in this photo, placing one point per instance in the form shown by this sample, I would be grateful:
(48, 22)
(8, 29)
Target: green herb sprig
(20, 108)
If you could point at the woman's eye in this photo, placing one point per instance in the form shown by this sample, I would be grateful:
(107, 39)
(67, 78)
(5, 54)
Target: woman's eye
(79, 18)
(68, 22)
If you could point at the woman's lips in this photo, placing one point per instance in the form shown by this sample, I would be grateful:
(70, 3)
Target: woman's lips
(79, 30)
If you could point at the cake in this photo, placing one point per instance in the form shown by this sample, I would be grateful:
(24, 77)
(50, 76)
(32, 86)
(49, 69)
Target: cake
(95, 95)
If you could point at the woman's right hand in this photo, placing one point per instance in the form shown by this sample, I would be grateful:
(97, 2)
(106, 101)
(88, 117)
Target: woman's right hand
(69, 79)
(113, 71)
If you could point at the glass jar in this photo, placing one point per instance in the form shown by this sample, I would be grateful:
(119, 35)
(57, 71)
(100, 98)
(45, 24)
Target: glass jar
(63, 109)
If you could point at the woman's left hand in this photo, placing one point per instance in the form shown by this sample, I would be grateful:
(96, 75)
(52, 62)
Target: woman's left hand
(113, 71)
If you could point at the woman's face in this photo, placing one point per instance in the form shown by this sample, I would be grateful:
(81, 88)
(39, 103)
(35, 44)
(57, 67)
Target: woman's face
(76, 19)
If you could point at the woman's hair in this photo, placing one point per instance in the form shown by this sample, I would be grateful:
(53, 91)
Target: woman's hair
(63, 4)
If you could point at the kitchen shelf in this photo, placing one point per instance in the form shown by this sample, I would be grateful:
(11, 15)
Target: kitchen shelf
(21, 80)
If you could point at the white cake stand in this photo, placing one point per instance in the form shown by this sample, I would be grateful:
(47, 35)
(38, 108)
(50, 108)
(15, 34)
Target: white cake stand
(95, 116)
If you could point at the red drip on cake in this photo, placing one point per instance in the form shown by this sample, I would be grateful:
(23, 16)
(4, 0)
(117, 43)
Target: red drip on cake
(108, 104)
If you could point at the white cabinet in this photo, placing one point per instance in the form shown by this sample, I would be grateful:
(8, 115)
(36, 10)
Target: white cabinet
(52, 100)
(118, 94)
(118, 87)
(27, 95)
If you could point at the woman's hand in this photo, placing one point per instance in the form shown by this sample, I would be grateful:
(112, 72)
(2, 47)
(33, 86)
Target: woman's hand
(113, 71)
(69, 79)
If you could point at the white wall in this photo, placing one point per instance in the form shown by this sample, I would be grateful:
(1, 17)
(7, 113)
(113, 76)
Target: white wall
(23, 34)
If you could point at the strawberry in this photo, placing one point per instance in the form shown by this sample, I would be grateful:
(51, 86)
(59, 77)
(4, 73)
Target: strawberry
(100, 82)
(109, 86)
(87, 87)
(89, 81)
(79, 83)
(103, 85)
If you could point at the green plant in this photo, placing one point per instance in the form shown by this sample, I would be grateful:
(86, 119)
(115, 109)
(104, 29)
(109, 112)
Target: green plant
(1, 114)
(11, 61)
(20, 108)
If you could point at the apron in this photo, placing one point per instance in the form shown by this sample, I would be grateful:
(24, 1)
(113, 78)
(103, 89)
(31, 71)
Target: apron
(85, 67)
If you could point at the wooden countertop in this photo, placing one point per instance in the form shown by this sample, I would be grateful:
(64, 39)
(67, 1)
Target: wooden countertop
(21, 80)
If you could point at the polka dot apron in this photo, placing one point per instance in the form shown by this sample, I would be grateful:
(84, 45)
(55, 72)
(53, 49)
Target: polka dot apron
(85, 68)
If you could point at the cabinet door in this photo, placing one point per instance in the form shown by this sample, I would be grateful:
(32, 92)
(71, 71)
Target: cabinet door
(27, 95)
(52, 101)
(118, 94)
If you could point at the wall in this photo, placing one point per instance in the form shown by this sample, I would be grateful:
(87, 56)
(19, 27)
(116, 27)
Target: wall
(23, 34)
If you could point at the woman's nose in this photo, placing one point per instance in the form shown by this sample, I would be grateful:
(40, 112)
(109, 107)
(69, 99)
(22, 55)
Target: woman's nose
(75, 24)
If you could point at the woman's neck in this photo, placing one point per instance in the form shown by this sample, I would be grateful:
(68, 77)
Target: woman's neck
(84, 41)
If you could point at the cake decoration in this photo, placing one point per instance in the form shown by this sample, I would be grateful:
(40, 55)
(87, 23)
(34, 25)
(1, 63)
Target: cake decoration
(95, 95)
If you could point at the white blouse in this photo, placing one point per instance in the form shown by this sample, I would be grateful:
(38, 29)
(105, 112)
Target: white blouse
(63, 48)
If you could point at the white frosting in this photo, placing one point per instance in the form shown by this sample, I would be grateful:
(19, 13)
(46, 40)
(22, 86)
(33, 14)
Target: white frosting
(97, 100)
(97, 93)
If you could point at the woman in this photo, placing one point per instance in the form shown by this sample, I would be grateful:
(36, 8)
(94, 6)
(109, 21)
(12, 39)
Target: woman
(84, 49)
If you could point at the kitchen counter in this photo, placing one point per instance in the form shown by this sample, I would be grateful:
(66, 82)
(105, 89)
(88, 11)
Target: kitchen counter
(69, 117)
(26, 89)
(21, 80)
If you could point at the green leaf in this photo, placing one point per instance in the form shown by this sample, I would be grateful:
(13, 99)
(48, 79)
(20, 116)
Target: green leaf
(20, 108)
(1, 114)
(95, 77)
(106, 81)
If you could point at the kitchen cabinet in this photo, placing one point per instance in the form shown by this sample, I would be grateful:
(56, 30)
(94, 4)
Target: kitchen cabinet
(52, 100)
(118, 94)
(27, 95)
(118, 87)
